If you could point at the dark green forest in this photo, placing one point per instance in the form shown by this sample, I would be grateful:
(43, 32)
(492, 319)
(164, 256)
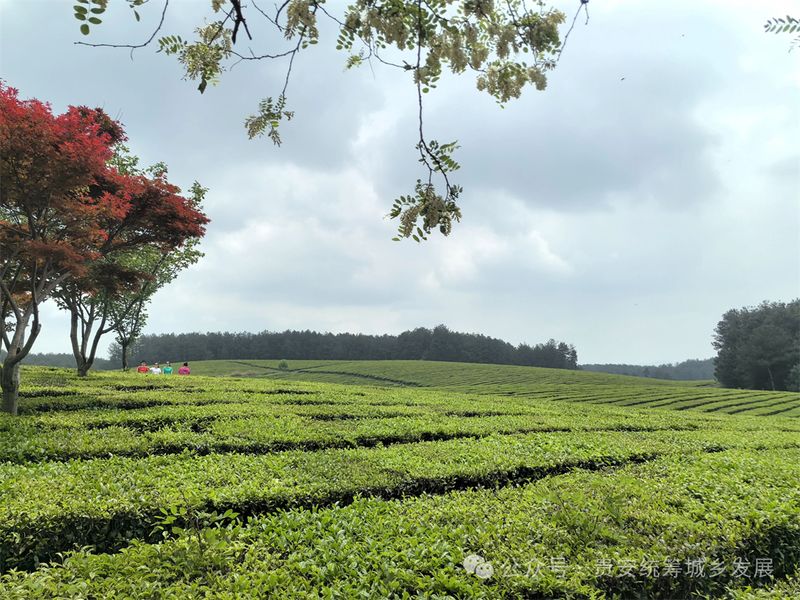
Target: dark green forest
(439, 343)
(759, 347)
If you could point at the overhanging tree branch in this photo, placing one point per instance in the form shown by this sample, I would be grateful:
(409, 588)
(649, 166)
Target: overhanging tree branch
(134, 46)
(492, 39)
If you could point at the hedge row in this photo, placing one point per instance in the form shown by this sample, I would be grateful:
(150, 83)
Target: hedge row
(149, 410)
(787, 589)
(269, 422)
(582, 535)
(51, 507)
(279, 432)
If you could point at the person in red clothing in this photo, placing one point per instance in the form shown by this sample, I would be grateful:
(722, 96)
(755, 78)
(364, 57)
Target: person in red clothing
(143, 368)
(184, 370)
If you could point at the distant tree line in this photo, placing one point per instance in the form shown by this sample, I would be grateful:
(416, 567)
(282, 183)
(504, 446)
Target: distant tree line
(59, 359)
(438, 343)
(759, 348)
(687, 370)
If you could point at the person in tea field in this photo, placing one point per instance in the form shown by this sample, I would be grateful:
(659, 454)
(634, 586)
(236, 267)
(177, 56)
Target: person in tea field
(143, 368)
(167, 370)
(184, 370)
(155, 369)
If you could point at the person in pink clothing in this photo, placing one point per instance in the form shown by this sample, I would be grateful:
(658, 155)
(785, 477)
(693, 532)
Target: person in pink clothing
(184, 370)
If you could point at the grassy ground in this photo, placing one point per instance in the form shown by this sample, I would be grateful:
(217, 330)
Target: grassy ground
(565, 485)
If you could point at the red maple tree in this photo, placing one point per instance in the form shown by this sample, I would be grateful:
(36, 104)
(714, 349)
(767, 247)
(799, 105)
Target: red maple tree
(63, 208)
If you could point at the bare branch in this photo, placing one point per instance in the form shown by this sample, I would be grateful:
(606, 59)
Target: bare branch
(239, 20)
(280, 9)
(7, 295)
(252, 56)
(583, 5)
(133, 46)
(424, 150)
(267, 17)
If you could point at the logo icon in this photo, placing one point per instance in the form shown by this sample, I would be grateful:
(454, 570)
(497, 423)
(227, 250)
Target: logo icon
(476, 565)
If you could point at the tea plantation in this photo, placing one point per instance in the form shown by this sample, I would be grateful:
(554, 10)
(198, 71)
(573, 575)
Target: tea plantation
(508, 380)
(335, 479)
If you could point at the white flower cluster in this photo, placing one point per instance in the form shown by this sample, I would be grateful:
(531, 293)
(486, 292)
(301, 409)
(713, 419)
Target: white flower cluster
(301, 20)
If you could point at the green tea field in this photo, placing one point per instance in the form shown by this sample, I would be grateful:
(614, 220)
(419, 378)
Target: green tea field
(378, 479)
(508, 380)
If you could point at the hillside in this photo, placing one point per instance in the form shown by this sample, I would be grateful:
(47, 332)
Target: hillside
(508, 380)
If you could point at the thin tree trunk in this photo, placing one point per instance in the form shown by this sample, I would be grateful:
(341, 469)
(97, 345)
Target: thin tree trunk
(101, 330)
(73, 338)
(78, 332)
(85, 331)
(771, 380)
(124, 347)
(9, 381)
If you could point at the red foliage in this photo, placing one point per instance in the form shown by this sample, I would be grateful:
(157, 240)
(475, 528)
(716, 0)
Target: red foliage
(62, 206)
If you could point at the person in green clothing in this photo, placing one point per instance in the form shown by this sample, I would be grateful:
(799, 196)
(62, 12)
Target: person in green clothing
(167, 370)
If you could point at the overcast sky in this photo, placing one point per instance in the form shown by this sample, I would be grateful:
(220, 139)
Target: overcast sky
(654, 185)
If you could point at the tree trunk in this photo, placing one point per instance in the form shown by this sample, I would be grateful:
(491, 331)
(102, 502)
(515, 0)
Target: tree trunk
(83, 368)
(77, 351)
(17, 350)
(78, 339)
(124, 347)
(82, 350)
(771, 379)
(9, 381)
